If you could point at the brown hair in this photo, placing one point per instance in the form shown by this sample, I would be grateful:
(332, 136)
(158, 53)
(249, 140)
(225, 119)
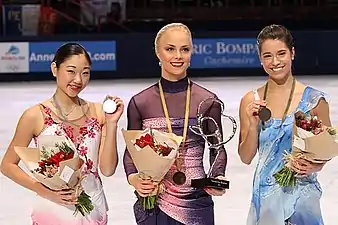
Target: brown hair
(275, 32)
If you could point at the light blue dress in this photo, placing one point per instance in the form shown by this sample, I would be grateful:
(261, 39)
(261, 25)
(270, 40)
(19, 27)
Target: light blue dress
(272, 204)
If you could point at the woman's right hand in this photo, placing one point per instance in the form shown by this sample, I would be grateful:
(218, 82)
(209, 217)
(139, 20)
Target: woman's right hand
(62, 197)
(143, 186)
(252, 111)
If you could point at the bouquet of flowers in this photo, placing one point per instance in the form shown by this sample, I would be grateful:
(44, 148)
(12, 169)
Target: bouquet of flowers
(56, 164)
(153, 153)
(311, 141)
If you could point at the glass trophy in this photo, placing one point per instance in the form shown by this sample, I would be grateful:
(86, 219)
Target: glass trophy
(216, 145)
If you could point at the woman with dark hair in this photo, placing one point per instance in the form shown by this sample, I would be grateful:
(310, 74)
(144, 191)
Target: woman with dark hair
(171, 106)
(283, 95)
(92, 131)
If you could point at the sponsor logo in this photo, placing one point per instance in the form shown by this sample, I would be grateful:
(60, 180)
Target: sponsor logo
(225, 53)
(102, 54)
(14, 57)
(13, 53)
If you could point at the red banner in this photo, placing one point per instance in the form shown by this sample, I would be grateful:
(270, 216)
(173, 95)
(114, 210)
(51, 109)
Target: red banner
(48, 20)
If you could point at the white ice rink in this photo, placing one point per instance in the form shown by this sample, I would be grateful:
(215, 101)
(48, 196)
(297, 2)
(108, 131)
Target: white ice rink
(232, 208)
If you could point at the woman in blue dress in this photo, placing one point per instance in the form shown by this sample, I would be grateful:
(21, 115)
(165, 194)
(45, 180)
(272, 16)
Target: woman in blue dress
(272, 204)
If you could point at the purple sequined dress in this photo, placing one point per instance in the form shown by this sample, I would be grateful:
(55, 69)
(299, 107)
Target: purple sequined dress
(177, 204)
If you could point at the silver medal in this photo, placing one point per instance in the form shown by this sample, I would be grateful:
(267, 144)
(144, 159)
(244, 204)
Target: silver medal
(109, 106)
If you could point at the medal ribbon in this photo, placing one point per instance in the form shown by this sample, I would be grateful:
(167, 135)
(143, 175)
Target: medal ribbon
(186, 116)
(289, 100)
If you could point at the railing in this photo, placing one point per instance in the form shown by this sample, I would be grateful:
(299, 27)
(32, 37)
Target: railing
(73, 20)
(143, 10)
(224, 3)
(112, 21)
(83, 7)
(67, 17)
(99, 18)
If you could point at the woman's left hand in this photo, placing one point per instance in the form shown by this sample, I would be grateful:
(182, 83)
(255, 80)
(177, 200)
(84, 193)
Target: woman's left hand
(114, 117)
(303, 167)
(216, 192)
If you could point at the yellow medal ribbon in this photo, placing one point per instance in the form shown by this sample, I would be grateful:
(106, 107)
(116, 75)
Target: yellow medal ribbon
(179, 177)
(187, 108)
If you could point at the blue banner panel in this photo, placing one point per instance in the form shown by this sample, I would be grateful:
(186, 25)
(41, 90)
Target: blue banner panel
(225, 53)
(102, 53)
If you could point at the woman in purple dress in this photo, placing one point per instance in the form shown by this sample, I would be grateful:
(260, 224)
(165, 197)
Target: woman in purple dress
(176, 99)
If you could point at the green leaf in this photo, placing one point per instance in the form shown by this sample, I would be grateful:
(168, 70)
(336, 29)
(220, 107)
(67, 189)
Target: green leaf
(84, 205)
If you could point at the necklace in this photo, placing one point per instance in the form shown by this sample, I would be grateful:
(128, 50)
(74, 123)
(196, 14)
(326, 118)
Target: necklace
(179, 177)
(64, 116)
(265, 113)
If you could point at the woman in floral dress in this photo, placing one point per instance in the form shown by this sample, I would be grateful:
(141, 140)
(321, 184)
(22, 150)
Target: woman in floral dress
(92, 131)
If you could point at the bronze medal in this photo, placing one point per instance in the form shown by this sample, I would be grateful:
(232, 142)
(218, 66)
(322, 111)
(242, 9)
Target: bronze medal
(179, 178)
(264, 114)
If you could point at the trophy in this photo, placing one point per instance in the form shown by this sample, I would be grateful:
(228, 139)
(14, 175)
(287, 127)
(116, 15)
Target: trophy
(264, 114)
(198, 129)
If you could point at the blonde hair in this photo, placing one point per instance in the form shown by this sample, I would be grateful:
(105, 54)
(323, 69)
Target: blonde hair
(168, 27)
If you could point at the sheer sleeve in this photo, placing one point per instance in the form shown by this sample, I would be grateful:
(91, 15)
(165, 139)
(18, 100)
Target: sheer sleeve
(219, 162)
(134, 123)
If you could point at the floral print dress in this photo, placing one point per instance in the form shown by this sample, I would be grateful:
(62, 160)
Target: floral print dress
(87, 138)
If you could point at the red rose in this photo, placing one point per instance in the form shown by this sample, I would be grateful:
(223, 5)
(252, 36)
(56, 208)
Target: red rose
(144, 141)
(42, 163)
(69, 156)
(57, 158)
(148, 139)
(140, 143)
(165, 150)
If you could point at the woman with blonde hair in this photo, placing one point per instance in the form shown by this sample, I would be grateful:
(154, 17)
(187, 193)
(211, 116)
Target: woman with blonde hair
(171, 105)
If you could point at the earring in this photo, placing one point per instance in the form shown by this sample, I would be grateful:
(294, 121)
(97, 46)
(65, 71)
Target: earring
(159, 63)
